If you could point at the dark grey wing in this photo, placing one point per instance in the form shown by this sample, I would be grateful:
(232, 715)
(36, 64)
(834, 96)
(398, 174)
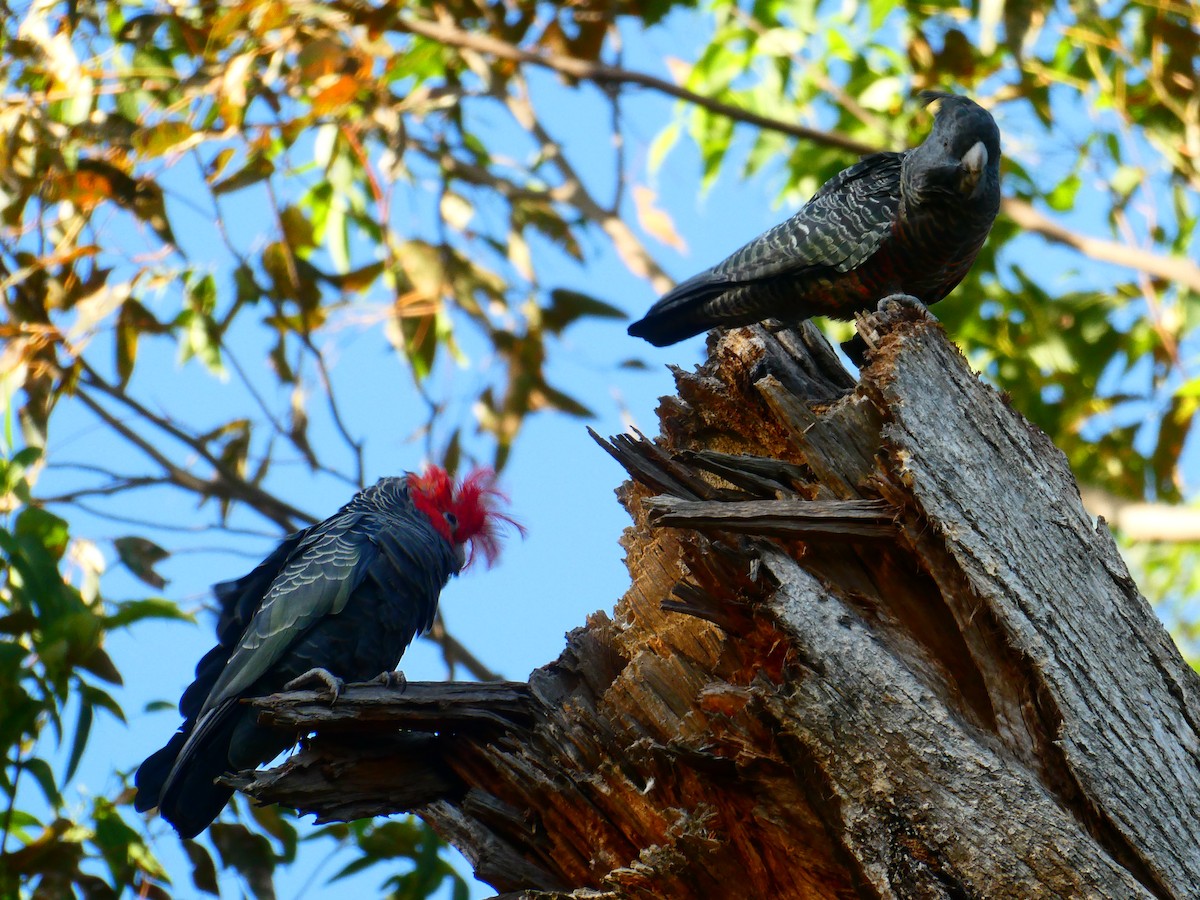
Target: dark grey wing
(839, 228)
(238, 599)
(315, 583)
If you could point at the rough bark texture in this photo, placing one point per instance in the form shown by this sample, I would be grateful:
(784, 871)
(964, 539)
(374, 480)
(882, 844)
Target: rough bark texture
(938, 681)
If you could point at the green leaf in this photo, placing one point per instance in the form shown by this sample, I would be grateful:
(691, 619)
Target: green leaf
(26, 457)
(277, 822)
(44, 776)
(201, 336)
(565, 403)
(204, 870)
(1126, 179)
(661, 146)
(119, 844)
(297, 229)
(452, 455)
(417, 338)
(160, 139)
(100, 665)
(130, 611)
(150, 206)
(257, 168)
(248, 853)
(93, 695)
(357, 279)
(1062, 198)
(568, 306)
(83, 728)
(47, 529)
(12, 471)
(139, 556)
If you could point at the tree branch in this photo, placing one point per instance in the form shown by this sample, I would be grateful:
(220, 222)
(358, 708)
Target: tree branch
(1144, 521)
(454, 653)
(1176, 269)
(418, 705)
(226, 484)
(585, 70)
(627, 244)
(806, 519)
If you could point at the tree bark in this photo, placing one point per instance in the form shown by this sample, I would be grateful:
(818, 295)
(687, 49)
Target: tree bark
(938, 680)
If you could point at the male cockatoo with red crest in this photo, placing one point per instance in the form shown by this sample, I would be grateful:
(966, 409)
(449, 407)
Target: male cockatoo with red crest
(339, 601)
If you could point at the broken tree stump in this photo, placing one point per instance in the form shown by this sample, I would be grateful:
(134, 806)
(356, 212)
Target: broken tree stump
(938, 681)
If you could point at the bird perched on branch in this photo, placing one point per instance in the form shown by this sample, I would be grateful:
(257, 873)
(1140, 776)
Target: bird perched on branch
(909, 222)
(338, 600)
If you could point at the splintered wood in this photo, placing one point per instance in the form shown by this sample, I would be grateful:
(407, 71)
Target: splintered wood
(873, 647)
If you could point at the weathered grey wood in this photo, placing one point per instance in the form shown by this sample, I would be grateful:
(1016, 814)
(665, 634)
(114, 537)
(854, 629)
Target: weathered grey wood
(418, 705)
(809, 519)
(980, 705)
(920, 791)
(1117, 700)
(357, 777)
(762, 477)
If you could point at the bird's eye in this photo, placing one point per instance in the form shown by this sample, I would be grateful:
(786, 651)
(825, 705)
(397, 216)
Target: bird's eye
(451, 520)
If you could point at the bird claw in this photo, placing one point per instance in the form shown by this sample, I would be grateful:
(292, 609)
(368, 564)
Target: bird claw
(889, 310)
(391, 680)
(893, 304)
(323, 678)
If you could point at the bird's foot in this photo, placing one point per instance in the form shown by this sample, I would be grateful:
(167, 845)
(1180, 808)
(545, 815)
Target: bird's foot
(895, 303)
(891, 310)
(391, 680)
(322, 678)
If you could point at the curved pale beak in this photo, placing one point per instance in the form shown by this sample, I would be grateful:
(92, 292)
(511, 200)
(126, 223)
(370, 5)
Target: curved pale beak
(974, 161)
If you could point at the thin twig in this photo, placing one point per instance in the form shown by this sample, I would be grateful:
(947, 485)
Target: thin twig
(180, 529)
(227, 484)
(453, 652)
(117, 486)
(356, 446)
(632, 252)
(599, 73)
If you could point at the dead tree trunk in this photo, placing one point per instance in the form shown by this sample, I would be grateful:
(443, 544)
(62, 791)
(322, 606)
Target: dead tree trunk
(888, 656)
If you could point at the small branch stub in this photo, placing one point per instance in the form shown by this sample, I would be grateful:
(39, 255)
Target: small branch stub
(813, 520)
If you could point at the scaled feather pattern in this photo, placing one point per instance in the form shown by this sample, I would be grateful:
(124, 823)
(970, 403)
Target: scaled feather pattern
(910, 222)
(346, 595)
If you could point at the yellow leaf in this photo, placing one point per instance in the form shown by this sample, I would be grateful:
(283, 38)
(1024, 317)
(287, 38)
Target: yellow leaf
(165, 136)
(519, 255)
(680, 70)
(233, 88)
(319, 58)
(336, 96)
(456, 211)
(653, 220)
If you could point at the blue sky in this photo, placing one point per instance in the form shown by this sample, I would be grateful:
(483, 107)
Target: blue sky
(513, 617)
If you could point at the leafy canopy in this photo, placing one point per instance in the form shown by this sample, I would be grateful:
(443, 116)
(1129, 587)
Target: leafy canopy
(246, 183)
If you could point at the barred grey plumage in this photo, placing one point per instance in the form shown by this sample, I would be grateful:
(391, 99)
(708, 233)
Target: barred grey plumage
(909, 222)
(345, 596)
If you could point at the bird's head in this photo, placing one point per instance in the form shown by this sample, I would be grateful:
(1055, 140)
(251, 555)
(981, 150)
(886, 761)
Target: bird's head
(960, 159)
(464, 513)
